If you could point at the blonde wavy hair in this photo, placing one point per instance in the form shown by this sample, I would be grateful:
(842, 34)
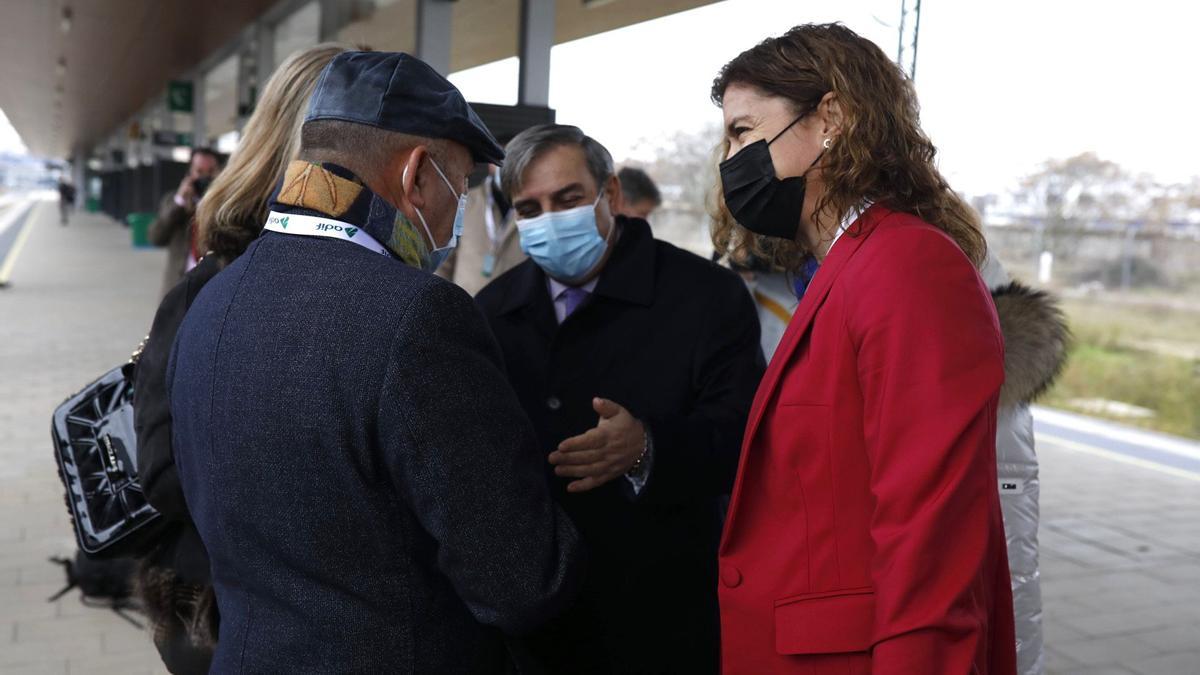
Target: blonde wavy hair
(881, 154)
(234, 208)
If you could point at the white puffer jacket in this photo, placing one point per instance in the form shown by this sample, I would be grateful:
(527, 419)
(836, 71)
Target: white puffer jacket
(1036, 338)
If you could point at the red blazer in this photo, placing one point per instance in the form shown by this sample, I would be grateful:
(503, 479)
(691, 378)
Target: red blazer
(864, 534)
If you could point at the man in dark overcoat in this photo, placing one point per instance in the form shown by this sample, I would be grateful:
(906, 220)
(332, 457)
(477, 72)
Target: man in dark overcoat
(637, 363)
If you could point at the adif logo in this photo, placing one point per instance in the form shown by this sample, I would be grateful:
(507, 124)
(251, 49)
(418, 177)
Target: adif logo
(330, 227)
(281, 221)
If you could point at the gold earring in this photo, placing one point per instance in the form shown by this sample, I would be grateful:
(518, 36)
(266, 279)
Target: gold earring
(828, 142)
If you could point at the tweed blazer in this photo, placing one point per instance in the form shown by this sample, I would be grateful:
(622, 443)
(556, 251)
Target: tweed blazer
(361, 473)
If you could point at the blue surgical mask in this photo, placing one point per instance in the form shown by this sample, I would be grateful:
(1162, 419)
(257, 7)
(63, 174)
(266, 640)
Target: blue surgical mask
(438, 254)
(566, 244)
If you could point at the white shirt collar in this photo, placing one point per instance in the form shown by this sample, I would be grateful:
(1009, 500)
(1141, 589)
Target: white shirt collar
(851, 216)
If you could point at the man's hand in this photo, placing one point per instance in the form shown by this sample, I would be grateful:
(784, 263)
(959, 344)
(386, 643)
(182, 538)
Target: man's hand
(602, 453)
(186, 192)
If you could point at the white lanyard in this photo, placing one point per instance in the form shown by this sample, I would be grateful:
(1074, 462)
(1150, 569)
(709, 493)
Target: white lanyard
(318, 226)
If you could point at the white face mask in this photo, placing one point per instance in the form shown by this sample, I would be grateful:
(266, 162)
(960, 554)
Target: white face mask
(438, 254)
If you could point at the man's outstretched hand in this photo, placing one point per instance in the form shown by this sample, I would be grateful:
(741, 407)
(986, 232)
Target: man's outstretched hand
(602, 453)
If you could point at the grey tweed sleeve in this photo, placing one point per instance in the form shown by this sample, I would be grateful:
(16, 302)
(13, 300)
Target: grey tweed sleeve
(464, 455)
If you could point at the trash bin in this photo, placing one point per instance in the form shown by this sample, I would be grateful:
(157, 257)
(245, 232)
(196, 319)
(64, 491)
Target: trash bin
(139, 228)
(92, 205)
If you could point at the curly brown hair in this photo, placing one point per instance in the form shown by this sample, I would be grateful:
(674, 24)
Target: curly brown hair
(881, 153)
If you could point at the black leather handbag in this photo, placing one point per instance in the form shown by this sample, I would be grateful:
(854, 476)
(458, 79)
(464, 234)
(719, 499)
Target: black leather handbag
(95, 445)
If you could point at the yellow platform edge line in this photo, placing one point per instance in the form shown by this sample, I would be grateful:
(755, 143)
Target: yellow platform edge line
(1085, 448)
(773, 307)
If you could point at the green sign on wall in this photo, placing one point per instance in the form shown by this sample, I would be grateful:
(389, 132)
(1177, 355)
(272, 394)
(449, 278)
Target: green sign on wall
(179, 96)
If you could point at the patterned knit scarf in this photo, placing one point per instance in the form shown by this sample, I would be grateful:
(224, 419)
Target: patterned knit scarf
(338, 193)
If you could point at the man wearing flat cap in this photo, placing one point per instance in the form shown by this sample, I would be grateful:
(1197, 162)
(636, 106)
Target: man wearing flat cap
(364, 479)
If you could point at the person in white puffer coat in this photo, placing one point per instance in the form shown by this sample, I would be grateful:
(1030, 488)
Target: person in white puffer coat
(1036, 339)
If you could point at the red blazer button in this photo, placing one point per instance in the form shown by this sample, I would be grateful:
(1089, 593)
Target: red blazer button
(731, 577)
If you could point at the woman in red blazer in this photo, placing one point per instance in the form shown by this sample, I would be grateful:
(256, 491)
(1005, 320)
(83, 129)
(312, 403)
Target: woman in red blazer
(864, 534)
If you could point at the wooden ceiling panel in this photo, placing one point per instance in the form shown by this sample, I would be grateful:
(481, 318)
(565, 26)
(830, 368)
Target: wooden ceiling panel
(119, 54)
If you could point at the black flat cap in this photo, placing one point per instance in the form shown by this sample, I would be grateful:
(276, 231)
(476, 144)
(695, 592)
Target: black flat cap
(398, 92)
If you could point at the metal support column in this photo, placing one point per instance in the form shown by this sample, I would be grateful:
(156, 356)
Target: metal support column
(335, 14)
(264, 60)
(434, 33)
(79, 176)
(199, 115)
(247, 78)
(537, 38)
(910, 31)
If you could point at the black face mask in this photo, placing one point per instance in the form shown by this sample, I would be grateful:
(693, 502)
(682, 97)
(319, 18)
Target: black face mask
(758, 200)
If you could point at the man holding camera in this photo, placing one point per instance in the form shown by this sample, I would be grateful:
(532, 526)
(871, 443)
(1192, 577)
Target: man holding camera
(173, 227)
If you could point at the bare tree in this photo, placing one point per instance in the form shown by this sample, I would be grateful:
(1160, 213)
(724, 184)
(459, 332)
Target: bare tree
(1078, 193)
(684, 166)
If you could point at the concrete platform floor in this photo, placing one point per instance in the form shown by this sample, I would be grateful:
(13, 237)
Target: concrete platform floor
(1120, 543)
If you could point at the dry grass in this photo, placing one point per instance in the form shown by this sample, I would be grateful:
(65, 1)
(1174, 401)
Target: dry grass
(1145, 354)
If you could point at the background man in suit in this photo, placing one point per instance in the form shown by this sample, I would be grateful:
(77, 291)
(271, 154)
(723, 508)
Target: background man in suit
(639, 195)
(637, 362)
(172, 228)
(366, 484)
(489, 245)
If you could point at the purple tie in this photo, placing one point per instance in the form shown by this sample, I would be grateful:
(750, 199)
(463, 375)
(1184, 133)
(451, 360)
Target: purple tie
(572, 298)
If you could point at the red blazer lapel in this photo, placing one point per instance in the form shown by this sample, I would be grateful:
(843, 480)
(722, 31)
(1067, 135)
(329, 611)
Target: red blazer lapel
(803, 317)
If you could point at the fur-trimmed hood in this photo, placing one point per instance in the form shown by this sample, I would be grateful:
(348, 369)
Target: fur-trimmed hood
(1036, 340)
(179, 612)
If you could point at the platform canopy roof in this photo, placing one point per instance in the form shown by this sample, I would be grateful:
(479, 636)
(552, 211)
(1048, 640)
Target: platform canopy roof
(74, 71)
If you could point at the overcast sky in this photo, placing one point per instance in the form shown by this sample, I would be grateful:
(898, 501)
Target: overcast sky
(9, 140)
(1004, 84)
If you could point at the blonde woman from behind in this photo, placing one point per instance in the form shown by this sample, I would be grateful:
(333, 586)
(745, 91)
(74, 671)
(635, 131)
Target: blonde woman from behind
(173, 578)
